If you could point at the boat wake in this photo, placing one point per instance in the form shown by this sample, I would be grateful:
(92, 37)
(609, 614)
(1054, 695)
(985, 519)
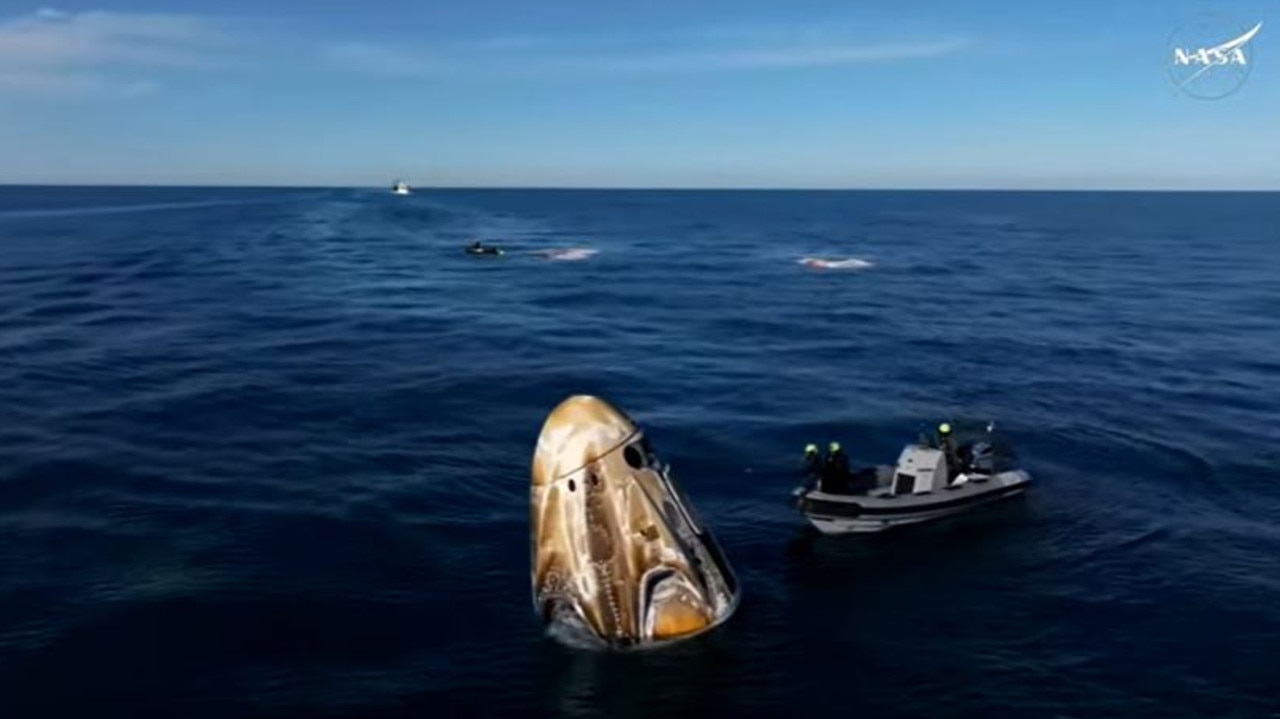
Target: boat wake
(122, 209)
(851, 263)
(570, 254)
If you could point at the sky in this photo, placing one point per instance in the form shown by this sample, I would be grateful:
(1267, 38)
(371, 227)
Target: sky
(599, 93)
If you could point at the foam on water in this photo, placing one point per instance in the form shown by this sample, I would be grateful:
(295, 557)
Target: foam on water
(570, 254)
(851, 263)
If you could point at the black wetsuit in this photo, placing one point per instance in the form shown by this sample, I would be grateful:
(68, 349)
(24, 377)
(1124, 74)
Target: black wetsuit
(835, 473)
(812, 469)
(947, 444)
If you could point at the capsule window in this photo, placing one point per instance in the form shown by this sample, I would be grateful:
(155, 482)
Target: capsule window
(593, 478)
(633, 456)
(572, 486)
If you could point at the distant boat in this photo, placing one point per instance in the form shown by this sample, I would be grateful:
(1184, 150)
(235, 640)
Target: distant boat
(400, 188)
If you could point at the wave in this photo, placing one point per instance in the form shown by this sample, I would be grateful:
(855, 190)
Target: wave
(568, 254)
(850, 263)
(120, 209)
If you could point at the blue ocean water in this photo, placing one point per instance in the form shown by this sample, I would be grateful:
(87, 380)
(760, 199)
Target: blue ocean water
(265, 453)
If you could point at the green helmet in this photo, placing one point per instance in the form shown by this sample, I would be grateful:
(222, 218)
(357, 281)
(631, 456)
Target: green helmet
(811, 449)
(834, 447)
(944, 428)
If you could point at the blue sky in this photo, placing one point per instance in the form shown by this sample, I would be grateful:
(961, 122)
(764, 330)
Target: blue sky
(718, 93)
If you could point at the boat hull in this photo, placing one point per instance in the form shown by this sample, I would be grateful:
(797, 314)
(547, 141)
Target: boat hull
(850, 514)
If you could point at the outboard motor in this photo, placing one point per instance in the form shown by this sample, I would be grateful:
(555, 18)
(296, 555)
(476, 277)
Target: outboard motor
(983, 457)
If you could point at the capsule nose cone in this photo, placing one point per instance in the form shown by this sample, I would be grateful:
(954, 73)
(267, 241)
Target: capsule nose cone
(579, 431)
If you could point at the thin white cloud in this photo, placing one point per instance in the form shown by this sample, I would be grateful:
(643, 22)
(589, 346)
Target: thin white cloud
(670, 53)
(789, 57)
(62, 85)
(386, 60)
(102, 53)
(56, 53)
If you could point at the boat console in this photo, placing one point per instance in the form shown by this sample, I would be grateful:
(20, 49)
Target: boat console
(919, 470)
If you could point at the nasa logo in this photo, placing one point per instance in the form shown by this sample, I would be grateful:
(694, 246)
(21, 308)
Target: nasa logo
(1203, 66)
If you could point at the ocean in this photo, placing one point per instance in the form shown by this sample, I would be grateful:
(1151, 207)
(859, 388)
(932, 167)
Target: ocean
(266, 452)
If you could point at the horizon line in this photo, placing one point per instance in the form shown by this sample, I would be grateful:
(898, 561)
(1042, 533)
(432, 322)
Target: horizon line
(638, 188)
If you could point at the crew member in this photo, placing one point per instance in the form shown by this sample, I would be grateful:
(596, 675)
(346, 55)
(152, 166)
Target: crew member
(812, 465)
(947, 444)
(835, 470)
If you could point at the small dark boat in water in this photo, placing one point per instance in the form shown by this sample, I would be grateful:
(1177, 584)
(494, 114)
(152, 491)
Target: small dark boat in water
(478, 249)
